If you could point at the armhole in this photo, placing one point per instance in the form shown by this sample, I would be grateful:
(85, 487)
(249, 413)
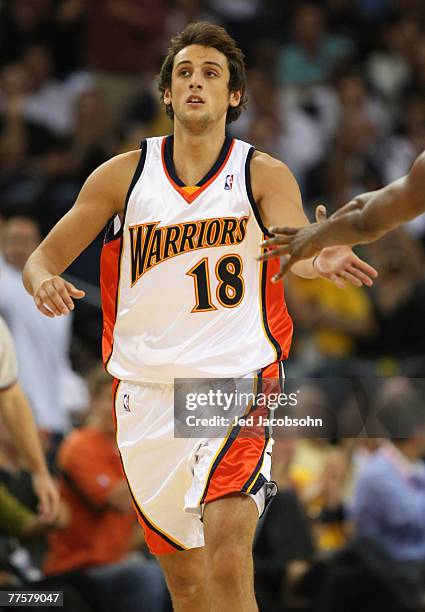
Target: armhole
(251, 199)
(115, 226)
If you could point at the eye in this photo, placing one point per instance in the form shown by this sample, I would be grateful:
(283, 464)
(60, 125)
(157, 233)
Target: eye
(211, 73)
(184, 72)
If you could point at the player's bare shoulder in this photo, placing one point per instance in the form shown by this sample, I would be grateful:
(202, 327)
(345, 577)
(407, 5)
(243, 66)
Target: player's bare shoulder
(269, 174)
(109, 183)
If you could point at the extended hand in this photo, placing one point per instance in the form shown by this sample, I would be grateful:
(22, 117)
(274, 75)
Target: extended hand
(54, 296)
(340, 264)
(299, 243)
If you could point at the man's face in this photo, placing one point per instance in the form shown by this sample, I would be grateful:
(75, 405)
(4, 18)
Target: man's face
(200, 88)
(20, 239)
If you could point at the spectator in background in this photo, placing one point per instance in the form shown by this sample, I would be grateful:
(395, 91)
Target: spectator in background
(20, 137)
(22, 23)
(350, 165)
(50, 101)
(355, 96)
(284, 545)
(278, 128)
(102, 529)
(330, 319)
(389, 503)
(389, 67)
(124, 45)
(243, 19)
(18, 528)
(398, 301)
(42, 344)
(66, 166)
(319, 471)
(16, 418)
(417, 84)
(313, 54)
(402, 147)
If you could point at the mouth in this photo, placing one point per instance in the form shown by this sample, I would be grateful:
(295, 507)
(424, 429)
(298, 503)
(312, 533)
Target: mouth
(194, 100)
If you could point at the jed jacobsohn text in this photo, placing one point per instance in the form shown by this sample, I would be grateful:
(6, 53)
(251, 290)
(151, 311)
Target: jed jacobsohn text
(225, 401)
(252, 421)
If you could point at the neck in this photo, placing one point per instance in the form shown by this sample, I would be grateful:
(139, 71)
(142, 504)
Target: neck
(194, 154)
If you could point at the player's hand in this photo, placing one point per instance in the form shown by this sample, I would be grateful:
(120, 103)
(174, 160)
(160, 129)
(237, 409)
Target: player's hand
(54, 296)
(48, 496)
(297, 243)
(340, 264)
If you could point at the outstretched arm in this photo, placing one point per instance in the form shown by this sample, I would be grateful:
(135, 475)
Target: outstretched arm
(364, 219)
(279, 201)
(102, 196)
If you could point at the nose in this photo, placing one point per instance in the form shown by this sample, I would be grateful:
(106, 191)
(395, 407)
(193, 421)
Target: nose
(196, 80)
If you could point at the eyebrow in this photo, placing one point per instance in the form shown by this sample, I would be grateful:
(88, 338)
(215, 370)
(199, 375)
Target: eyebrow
(207, 62)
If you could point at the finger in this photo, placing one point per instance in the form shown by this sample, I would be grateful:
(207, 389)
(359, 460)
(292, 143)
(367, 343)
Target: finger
(279, 252)
(64, 294)
(276, 240)
(47, 302)
(288, 231)
(365, 279)
(42, 308)
(72, 289)
(320, 213)
(287, 265)
(337, 281)
(56, 298)
(364, 267)
(351, 278)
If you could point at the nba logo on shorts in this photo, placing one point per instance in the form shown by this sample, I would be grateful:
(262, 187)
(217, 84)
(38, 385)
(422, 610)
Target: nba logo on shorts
(228, 183)
(126, 402)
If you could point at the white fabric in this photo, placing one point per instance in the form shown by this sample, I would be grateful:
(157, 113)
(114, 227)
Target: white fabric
(167, 475)
(42, 346)
(157, 336)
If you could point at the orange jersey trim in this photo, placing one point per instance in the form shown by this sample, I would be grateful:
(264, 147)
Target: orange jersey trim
(277, 322)
(188, 192)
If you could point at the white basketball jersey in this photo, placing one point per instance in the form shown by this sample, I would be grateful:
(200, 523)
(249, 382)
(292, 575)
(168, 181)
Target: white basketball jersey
(183, 294)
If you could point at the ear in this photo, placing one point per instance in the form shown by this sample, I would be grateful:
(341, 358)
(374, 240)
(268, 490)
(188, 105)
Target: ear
(235, 98)
(167, 96)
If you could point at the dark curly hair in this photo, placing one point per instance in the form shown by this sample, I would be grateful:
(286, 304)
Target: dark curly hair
(207, 35)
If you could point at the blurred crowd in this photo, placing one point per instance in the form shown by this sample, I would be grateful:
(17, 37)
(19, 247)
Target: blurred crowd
(336, 91)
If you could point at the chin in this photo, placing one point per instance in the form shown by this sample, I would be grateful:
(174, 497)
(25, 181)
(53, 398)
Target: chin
(196, 120)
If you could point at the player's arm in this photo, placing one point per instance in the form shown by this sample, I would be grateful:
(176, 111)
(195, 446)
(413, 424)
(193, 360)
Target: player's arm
(101, 197)
(373, 214)
(279, 200)
(278, 196)
(364, 219)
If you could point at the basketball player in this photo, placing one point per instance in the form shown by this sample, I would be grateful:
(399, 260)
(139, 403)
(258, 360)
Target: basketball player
(15, 414)
(184, 297)
(364, 219)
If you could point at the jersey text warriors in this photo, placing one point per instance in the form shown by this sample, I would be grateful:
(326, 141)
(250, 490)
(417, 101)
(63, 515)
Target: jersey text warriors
(183, 295)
